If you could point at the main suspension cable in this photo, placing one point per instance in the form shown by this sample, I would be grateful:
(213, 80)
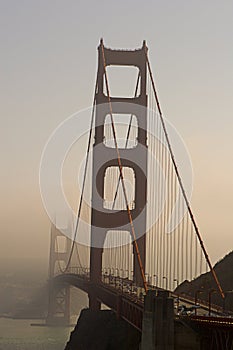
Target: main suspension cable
(127, 139)
(180, 181)
(83, 184)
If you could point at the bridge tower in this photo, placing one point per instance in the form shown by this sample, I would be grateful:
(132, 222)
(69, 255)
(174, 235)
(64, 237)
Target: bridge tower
(59, 294)
(103, 219)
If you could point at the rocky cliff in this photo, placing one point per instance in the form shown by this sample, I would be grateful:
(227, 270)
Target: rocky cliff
(101, 330)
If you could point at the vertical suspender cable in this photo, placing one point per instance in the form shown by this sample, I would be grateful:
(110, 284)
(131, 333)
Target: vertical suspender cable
(84, 181)
(181, 184)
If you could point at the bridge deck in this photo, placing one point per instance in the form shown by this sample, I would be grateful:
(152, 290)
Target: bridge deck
(127, 300)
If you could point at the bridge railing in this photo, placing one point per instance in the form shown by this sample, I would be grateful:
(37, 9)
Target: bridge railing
(202, 303)
(78, 270)
(127, 287)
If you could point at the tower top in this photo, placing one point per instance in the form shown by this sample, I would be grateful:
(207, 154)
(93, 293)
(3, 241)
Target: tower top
(143, 45)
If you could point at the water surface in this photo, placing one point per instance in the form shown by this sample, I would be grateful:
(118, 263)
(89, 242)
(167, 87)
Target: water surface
(20, 335)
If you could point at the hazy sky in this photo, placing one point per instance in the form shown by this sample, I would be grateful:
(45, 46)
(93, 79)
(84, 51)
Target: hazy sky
(48, 69)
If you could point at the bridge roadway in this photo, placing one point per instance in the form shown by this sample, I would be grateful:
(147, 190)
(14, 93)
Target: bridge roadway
(127, 300)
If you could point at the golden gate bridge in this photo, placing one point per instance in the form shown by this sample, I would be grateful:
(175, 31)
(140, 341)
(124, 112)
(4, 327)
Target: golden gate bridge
(143, 238)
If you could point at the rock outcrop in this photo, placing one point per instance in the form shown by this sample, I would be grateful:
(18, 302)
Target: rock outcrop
(101, 330)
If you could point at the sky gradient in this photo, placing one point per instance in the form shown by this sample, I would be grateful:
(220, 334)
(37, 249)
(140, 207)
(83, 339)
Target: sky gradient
(48, 69)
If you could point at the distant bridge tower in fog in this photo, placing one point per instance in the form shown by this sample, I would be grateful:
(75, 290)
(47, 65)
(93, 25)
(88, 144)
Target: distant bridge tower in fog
(59, 294)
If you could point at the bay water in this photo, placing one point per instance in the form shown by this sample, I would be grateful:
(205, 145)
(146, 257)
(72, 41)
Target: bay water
(18, 334)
